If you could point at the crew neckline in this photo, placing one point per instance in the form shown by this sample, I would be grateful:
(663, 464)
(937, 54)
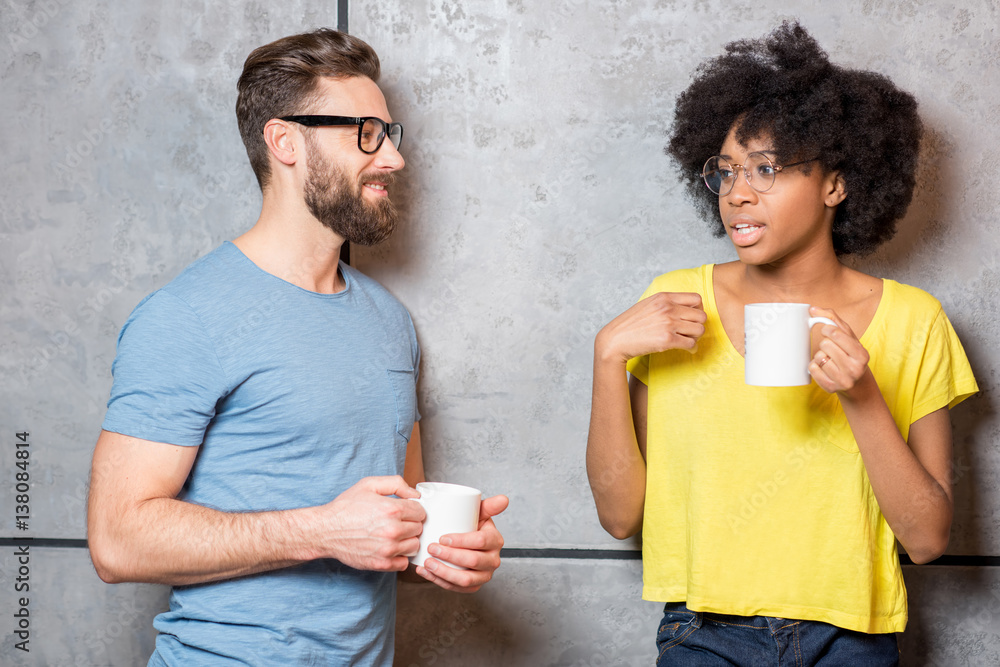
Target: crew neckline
(241, 257)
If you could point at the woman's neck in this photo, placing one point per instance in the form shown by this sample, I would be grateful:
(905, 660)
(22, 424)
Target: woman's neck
(801, 284)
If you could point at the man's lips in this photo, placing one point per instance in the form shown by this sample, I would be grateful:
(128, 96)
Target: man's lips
(377, 188)
(377, 183)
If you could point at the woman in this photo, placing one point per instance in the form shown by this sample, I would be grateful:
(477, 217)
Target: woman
(769, 515)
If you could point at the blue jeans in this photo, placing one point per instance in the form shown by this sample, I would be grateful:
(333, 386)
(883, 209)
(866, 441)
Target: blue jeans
(703, 639)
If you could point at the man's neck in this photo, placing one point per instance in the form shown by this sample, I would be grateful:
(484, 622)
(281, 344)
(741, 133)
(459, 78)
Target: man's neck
(289, 243)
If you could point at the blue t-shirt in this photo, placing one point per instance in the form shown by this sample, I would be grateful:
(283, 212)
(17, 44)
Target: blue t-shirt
(293, 396)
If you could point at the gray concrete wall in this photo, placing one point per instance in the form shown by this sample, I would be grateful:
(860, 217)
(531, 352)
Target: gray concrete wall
(537, 205)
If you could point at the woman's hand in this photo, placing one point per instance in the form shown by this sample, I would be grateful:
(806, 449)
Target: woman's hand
(662, 321)
(841, 362)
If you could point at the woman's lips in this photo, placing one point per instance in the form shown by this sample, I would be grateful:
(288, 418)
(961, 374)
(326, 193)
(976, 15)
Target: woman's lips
(745, 233)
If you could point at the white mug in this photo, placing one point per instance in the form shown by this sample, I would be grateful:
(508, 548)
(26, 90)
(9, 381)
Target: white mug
(776, 343)
(451, 508)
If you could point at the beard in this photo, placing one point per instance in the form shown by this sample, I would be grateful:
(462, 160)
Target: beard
(338, 203)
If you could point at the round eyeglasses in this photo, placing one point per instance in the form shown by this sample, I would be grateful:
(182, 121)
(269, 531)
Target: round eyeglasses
(758, 169)
(372, 131)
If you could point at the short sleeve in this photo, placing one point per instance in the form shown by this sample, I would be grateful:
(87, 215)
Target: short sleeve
(945, 376)
(638, 367)
(167, 376)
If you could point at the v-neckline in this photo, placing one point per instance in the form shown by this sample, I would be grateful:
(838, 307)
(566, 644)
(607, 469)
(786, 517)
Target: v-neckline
(715, 316)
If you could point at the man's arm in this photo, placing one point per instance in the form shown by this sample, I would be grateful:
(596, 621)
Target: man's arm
(413, 469)
(138, 530)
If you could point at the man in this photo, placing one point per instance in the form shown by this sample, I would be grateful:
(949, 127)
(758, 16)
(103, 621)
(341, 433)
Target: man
(262, 438)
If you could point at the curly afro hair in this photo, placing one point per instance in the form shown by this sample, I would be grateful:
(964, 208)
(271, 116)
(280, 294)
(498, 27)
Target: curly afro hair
(784, 87)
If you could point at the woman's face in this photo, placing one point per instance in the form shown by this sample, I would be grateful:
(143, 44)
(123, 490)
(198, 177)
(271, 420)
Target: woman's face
(793, 218)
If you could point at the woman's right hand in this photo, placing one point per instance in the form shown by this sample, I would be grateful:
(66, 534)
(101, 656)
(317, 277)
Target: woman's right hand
(662, 321)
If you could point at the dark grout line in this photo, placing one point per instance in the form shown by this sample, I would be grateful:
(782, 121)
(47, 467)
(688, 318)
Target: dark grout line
(514, 552)
(43, 542)
(573, 554)
(342, 14)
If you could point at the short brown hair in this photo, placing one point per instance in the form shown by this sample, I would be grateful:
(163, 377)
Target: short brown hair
(280, 78)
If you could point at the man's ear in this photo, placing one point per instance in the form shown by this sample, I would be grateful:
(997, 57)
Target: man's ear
(282, 141)
(836, 190)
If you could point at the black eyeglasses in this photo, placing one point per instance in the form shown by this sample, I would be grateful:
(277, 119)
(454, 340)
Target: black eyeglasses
(371, 131)
(758, 170)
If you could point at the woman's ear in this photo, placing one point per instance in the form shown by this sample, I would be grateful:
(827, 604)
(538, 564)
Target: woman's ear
(836, 190)
(281, 141)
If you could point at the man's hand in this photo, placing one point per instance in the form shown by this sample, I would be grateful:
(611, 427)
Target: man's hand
(371, 530)
(478, 551)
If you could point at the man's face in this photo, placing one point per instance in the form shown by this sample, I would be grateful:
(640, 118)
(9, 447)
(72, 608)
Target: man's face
(346, 189)
(336, 200)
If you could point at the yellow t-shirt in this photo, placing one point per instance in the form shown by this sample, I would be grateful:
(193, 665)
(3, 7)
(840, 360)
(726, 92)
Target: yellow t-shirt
(757, 500)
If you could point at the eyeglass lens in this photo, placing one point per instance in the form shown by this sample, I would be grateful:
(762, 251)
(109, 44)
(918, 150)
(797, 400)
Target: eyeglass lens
(720, 175)
(373, 131)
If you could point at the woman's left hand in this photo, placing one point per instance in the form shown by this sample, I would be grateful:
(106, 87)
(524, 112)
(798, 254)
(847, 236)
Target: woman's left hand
(841, 362)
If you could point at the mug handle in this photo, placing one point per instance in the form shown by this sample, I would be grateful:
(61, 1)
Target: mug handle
(816, 320)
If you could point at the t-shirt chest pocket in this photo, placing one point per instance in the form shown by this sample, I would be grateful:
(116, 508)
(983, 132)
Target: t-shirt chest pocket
(404, 388)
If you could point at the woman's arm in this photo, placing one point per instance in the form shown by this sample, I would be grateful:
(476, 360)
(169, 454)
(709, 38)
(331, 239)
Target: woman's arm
(911, 480)
(616, 456)
(616, 463)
